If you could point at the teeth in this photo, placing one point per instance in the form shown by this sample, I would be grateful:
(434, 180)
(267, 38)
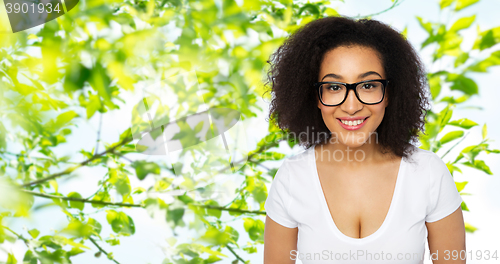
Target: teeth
(352, 123)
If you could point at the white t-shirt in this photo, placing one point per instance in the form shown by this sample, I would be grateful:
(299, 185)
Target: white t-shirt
(424, 192)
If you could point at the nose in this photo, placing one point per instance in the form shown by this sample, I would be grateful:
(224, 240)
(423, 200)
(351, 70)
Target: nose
(351, 104)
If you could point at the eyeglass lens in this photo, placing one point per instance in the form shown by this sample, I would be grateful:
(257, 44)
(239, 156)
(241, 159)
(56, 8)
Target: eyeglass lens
(368, 92)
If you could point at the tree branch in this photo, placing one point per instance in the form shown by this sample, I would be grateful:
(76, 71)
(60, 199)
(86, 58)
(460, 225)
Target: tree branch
(81, 164)
(44, 195)
(102, 250)
(231, 209)
(234, 253)
(394, 4)
(455, 145)
(17, 235)
(259, 150)
(122, 156)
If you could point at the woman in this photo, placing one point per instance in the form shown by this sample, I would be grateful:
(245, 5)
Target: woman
(355, 93)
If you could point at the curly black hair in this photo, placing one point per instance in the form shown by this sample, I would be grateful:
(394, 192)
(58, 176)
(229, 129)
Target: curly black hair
(295, 67)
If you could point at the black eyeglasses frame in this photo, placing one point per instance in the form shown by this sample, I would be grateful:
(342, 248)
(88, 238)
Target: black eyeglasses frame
(352, 86)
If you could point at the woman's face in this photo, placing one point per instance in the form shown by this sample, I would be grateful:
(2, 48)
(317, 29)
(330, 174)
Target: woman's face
(350, 65)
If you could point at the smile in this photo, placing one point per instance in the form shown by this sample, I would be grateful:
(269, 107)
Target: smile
(353, 124)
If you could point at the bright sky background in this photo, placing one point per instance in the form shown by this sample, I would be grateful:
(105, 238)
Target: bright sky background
(147, 245)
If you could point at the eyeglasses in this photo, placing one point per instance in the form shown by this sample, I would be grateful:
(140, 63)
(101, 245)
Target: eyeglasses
(368, 92)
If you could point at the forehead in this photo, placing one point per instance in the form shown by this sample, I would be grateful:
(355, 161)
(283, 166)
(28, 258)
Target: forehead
(348, 61)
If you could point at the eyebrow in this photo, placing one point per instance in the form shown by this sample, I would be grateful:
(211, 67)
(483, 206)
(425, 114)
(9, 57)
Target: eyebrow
(363, 75)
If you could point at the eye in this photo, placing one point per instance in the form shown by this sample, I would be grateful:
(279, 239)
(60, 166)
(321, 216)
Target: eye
(333, 87)
(368, 86)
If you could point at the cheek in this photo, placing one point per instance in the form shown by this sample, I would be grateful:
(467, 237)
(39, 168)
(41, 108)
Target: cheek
(379, 111)
(326, 110)
(327, 114)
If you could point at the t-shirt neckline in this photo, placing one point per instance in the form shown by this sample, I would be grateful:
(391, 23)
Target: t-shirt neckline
(329, 218)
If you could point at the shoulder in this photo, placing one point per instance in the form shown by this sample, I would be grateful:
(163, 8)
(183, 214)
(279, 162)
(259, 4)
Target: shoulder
(420, 158)
(425, 166)
(300, 161)
(297, 167)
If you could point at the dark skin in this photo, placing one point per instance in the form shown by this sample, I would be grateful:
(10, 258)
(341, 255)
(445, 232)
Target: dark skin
(348, 185)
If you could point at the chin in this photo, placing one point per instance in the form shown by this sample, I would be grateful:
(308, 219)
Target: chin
(353, 145)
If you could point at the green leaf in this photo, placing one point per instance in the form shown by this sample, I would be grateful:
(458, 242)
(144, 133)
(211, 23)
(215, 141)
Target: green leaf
(463, 123)
(238, 204)
(76, 204)
(94, 104)
(435, 85)
(215, 236)
(143, 168)
(120, 222)
(101, 196)
(34, 233)
(175, 215)
(464, 207)
(469, 228)
(461, 185)
(453, 168)
(471, 152)
(112, 242)
(482, 66)
(449, 44)
(96, 226)
(138, 190)
(487, 39)
(232, 234)
(269, 155)
(213, 212)
(162, 184)
(450, 136)
(11, 259)
(100, 81)
(443, 117)
(254, 227)
(461, 4)
(484, 132)
(462, 83)
(76, 75)
(29, 258)
(425, 25)
(75, 251)
(453, 100)
(480, 165)
(63, 119)
(404, 33)
(462, 23)
(257, 188)
(488, 151)
(3, 137)
(461, 59)
(120, 180)
(445, 3)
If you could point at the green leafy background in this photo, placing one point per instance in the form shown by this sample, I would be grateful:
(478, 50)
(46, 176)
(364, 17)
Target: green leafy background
(73, 188)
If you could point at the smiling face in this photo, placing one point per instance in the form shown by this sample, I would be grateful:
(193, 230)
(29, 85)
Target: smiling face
(350, 65)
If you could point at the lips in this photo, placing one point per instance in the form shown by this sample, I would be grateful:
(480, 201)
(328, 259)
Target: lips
(352, 127)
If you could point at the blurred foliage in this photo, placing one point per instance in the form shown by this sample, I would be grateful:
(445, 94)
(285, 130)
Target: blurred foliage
(82, 64)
